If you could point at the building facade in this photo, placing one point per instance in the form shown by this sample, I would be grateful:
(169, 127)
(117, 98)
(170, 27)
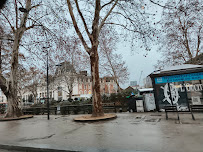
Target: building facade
(67, 83)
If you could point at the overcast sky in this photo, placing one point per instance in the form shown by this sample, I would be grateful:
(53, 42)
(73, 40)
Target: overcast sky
(136, 60)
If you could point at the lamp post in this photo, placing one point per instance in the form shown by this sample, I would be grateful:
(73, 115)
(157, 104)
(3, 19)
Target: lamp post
(25, 10)
(47, 54)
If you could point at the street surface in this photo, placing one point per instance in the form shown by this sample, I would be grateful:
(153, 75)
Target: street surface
(129, 132)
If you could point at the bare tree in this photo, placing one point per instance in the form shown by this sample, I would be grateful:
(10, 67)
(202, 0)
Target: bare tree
(70, 60)
(30, 80)
(65, 74)
(128, 15)
(182, 23)
(16, 17)
(112, 63)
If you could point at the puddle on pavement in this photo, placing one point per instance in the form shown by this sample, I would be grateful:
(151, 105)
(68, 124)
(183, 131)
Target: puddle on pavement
(152, 120)
(156, 115)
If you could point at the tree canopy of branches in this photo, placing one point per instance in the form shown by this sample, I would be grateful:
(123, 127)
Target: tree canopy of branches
(182, 23)
(89, 17)
(19, 19)
(112, 63)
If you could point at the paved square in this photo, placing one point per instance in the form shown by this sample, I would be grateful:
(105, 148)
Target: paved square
(129, 132)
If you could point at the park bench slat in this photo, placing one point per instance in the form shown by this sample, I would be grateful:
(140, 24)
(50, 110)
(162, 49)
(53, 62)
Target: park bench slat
(172, 108)
(195, 108)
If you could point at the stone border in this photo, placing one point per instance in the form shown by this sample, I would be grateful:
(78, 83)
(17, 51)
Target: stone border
(86, 118)
(17, 118)
(32, 149)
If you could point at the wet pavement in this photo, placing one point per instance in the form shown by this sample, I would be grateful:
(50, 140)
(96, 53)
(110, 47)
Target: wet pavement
(129, 132)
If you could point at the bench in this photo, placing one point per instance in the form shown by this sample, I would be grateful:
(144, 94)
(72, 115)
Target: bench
(172, 108)
(39, 110)
(195, 108)
(67, 109)
(27, 111)
(111, 105)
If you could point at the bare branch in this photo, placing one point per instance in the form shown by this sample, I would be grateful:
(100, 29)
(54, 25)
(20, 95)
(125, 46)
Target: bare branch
(8, 22)
(198, 42)
(32, 26)
(107, 4)
(8, 39)
(20, 3)
(16, 10)
(158, 4)
(76, 27)
(95, 23)
(123, 26)
(35, 6)
(103, 21)
(25, 15)
(83, 20)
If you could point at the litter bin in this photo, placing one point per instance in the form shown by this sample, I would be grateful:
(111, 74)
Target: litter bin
(139, 104)
(131, 104)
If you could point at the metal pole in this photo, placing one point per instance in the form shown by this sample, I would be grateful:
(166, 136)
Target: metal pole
(47, 85)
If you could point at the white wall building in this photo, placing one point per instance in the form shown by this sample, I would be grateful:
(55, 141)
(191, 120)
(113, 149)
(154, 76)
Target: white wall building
(65, 77)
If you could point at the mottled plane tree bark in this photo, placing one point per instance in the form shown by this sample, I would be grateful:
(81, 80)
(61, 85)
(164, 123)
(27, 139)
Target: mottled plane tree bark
(128, 15)
(15, 17)
(9, 86)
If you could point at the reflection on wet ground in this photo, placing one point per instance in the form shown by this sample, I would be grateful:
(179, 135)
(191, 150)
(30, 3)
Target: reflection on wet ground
(137, 132)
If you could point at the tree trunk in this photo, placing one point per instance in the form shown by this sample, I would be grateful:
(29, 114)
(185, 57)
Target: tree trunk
(119, 88)
(13, 110)
(70, 93)
(96, 96)
(12, 95)
(9, 87)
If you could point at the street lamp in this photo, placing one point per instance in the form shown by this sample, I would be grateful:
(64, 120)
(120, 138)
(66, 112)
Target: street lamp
(47, 80)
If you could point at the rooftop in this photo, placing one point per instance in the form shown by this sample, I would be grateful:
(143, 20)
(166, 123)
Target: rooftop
(178, 69)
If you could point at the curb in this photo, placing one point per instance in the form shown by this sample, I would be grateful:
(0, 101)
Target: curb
(88, 118)
(32, 149)
(18, 118)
